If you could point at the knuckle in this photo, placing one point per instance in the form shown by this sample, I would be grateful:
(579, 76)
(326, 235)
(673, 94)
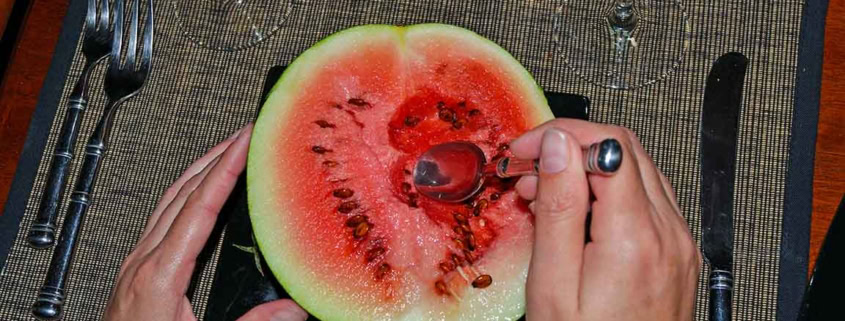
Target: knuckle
(554, 204)
(146, 268)
(642, 253)
(559, 122)
(172, 190)
(687, 251)
(200, 209)
(126, 265)
(627, 134)
(694, 253)
(153, 276)
(622, 133)
(185, 191)
(559, 203)
(696, 259)
(231, 172)
(626, 137)
(673, 201)
(644, 245)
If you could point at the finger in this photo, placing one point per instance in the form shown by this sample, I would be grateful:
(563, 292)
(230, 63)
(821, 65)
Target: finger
(620, 198)
(192, 171)
(169, 214)
(279, 310)
(526, 187)
(194, 223)
(527, 145)
(560, 212)
(651, 176)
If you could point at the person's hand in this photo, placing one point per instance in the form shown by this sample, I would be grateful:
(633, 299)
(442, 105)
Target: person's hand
(155, 276)
(640, 263)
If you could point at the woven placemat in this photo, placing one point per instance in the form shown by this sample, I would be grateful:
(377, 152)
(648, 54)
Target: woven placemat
(196, 97)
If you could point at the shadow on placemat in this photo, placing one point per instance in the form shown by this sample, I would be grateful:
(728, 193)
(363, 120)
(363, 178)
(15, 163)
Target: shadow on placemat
(238, 284)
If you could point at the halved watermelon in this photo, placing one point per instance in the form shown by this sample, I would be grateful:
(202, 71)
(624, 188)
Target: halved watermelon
(330, 194)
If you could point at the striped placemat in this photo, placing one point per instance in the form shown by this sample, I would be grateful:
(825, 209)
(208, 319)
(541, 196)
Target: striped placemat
(197, 96)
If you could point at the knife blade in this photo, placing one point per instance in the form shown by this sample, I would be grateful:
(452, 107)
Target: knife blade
(719, 128)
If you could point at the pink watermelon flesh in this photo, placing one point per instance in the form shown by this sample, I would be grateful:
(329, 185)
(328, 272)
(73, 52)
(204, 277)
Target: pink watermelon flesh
(331, 196)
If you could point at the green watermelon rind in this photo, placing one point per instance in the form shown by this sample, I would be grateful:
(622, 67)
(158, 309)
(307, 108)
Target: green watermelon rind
(306, 297)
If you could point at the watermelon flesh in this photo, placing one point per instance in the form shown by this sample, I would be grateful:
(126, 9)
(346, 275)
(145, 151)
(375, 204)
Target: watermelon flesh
(330, 193)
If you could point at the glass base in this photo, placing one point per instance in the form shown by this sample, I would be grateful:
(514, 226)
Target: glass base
(230, 25)
(600, 50)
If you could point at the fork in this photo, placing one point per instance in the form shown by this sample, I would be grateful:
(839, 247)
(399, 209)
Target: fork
(96, 45)
(121, 83)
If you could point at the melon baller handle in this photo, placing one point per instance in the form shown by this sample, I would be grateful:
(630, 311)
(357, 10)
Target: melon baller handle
(602, 158)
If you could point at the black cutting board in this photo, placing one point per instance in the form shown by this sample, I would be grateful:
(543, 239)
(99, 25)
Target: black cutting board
(238, 285)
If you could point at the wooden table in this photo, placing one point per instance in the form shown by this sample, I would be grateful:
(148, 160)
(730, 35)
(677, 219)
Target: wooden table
(22, 83)
(829, 176)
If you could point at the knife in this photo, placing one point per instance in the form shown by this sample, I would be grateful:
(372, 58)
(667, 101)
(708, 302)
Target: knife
(719, 122)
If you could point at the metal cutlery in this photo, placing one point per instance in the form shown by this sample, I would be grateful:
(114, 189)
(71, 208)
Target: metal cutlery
(123, 81)
(96, 45)
(719, 128)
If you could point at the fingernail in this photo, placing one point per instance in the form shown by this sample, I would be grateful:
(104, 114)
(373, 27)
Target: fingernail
(554, 152)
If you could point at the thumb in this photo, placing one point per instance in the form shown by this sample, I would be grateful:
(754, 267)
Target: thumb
(279, 310)
(560, 212)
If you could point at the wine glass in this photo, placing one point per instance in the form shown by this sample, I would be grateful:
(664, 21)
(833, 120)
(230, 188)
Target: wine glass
(230, 25)
(622, 44)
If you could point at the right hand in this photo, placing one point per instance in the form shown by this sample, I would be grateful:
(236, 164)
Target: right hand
(640, 263)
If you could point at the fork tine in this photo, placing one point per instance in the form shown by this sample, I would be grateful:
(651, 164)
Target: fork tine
(132, 46)
(147, 50)
(104, 13)
(117, 39)
(91, 17)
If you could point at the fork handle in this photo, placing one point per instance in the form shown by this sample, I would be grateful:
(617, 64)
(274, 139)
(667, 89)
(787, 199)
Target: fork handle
(42, 232)
(51, 295)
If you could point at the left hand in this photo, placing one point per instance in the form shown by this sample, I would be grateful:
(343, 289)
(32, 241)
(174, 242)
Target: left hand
(154, 278)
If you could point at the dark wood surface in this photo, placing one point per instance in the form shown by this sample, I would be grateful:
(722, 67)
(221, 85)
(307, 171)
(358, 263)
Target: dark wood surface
(24, 77)
(5, 9)
(829, 177)
(22, 82)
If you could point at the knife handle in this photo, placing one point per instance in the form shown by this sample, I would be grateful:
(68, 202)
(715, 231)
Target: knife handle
(721, 294)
